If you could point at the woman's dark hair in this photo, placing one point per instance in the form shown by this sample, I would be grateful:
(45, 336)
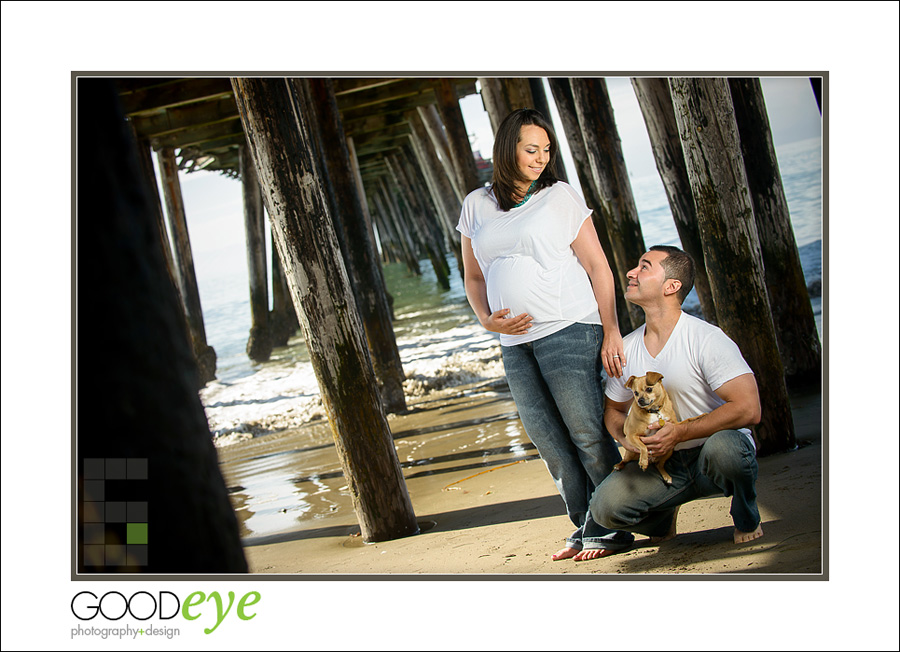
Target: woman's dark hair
(506, 170)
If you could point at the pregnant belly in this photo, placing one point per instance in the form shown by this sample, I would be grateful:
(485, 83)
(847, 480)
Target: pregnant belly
(521, 285)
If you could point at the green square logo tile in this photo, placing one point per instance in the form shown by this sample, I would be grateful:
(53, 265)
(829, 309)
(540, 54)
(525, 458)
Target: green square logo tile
(136, 533)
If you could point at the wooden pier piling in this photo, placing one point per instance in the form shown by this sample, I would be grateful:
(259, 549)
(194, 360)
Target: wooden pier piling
(415, 215)
(795, 324)
(431, 119)
(392, 212)
(275, 115)
(432, 236)
(574, 133)
(259, 344)
(457, 137)
(371, 295)
(137, 376)
(283, 323)
(391, 250)
(440, 188)
(542, 105)
(712, 151)
(503, 95)
(145, 157)
(607, 166)
(655, 101)
(184, 265)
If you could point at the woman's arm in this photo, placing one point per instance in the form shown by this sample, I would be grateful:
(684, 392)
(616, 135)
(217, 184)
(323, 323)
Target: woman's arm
(589, 252)
(476, 293)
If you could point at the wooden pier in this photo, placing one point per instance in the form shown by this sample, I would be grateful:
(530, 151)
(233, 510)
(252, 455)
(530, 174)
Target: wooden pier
(354, 172)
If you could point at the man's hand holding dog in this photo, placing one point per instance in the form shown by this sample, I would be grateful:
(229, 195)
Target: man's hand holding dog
(664, 439)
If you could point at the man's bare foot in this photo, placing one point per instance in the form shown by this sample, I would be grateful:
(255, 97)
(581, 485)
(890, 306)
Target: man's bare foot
(565, 553)
(594, 553)
(743, 537)
(672, 529)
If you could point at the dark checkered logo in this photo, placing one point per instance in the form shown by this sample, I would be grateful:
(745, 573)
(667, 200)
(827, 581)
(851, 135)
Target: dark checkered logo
(114, 521)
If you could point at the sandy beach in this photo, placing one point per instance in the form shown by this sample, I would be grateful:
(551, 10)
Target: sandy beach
(487, 507)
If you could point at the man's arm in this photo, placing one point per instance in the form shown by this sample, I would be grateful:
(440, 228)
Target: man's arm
(741, 409)
(614, 414)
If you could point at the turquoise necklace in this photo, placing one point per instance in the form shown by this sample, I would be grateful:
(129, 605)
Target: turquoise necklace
(527, 194)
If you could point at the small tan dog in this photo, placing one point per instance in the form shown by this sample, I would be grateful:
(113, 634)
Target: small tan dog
(651, 405)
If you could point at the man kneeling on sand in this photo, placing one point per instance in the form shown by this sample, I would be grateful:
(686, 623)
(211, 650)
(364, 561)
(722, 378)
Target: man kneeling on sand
(703, 372)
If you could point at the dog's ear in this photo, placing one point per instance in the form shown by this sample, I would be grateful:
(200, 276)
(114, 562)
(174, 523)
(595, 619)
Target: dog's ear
(653, 377)
(630, 382)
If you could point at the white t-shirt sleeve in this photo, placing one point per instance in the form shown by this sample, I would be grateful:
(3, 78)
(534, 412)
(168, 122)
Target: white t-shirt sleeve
(721, 360)
(466, 217)
(616, 390)
(575, 217)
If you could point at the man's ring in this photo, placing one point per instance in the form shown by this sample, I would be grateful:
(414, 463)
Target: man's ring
(615, 356)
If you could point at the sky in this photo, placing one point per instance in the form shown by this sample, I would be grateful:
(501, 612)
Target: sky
(213, 202)
(856, 43)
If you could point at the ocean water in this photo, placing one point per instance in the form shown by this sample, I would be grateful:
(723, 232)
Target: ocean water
(440, 342)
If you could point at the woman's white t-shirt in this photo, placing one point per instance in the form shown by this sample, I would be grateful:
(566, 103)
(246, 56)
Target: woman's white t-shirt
(527, 259)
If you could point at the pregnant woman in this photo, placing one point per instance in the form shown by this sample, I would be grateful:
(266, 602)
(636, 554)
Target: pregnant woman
(536, 274)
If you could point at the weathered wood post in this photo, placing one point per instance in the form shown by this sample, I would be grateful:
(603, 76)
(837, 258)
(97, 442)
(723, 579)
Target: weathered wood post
(419, 213)
(184, 265)
(438, 231)
(542, 105)
(389, 230)
(419, 185)
(364, 206)
(656, 106)
(607, 166)
(565, 104)
(370, 227)
(391, 211)
(712, 153)
(795, 323)
(145, 157)
(275, 117)
(431, 118)
(259, 344)
(391, 251)
(397, 203)
(370, 291)
(423, 173)
(282, 318)
(457, 137)
(445, 200)
(503, 95)
(139, 412)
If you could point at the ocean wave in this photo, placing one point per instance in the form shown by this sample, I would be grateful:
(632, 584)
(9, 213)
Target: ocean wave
(280, 397)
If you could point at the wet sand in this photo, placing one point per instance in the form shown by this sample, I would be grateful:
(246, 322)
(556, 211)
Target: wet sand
(487, 506)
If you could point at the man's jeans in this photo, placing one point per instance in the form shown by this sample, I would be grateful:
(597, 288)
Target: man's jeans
(558, 388)
(639, 501)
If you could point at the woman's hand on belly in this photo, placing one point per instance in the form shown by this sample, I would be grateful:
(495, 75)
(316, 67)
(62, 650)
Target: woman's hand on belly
(499, 323)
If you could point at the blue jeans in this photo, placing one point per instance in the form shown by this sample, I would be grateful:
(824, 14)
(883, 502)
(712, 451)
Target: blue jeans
(557, 385)
(639, 501)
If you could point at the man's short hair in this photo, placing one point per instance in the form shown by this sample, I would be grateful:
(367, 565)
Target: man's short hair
(678, 265)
